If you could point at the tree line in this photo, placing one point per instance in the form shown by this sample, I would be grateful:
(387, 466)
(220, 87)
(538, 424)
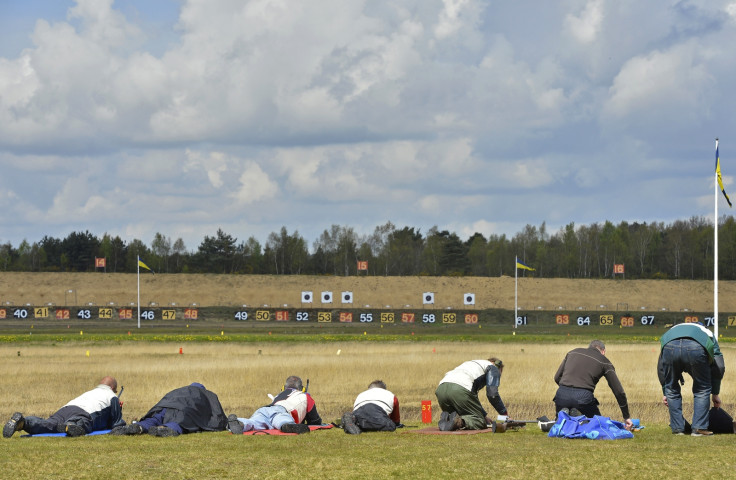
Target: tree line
(683, 249)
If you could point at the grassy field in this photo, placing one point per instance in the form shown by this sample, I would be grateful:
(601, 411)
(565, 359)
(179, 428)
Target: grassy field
(46, 363)
(39, 377)
(70, 289)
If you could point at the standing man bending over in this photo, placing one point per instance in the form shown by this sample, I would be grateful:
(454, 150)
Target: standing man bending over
(693, 349)
(577, 377)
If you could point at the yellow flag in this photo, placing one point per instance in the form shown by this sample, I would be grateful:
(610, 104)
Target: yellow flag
(141, 264)
(718, 175)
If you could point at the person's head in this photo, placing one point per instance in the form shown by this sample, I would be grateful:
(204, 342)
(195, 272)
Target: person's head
(293, 382)
(598, 345)
(497, 362)
(377, 384)
(110, 382)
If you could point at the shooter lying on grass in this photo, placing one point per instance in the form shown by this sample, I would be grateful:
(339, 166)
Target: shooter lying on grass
(187, 409)
(375, 410)
(291, 411)
(98, 409)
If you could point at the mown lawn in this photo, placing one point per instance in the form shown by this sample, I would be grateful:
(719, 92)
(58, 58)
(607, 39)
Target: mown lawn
(653, 454)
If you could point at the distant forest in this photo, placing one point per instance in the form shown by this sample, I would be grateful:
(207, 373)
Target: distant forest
(683, 249)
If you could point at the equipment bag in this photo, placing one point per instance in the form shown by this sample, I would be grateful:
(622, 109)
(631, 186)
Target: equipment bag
(720, 421)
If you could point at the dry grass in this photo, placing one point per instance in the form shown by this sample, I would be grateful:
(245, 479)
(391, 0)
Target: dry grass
(44, 377)
(228, 290)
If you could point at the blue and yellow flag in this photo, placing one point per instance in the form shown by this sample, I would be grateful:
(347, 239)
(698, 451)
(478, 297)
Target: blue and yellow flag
(718, 175)
(522, 266)
(141, 264)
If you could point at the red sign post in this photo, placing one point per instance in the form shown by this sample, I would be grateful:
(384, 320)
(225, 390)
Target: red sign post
(426, 411)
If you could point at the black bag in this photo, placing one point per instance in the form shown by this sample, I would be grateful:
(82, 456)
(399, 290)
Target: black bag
(720, 421)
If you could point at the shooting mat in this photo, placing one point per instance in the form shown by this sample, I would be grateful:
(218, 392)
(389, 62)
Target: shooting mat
(96, 432)
(279, 432)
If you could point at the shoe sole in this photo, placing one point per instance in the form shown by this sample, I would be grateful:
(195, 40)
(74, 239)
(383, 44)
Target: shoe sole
(443, 424)
(162, 432)
(451, 421)
(74, 431)
(13, 425)
(297, 428)
(348, 424)
(134, 429)
(234, 425)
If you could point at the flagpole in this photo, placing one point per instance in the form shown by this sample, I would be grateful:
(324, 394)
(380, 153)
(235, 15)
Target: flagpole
(516, 290)
(138, 270)
(715, 250)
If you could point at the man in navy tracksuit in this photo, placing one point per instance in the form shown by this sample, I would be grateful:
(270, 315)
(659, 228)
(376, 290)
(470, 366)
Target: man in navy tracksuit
(187, 409)
(98, 409)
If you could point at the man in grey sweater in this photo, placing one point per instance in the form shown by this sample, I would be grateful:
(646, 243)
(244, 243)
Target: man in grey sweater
(577, 377)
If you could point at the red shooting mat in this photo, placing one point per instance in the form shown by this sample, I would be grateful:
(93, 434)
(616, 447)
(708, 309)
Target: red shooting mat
(279, 432)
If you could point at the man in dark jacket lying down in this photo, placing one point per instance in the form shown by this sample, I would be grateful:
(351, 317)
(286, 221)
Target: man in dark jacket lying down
(184, 410)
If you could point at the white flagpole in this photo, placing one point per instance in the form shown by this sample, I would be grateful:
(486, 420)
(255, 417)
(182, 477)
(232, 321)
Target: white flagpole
(715, 252)
(138, 269)
(516, 290)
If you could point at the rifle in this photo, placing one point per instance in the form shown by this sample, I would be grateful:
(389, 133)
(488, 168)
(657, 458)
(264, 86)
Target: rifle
(503, 423)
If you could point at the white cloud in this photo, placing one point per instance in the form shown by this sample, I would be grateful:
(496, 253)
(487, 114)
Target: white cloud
(438, 112)
(77, 200)
(255, 185)
(672, 84)
(101, 24)
(586, 26)
(451, 19)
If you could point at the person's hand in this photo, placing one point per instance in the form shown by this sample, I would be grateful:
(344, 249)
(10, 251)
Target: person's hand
(716, 401)
(628, 424)
(664, 400)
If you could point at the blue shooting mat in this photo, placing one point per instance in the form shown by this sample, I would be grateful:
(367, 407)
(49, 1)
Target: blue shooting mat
(96, 432)
(596, 428)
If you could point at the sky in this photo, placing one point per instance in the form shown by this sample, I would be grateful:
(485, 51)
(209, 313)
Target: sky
(183, 117)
